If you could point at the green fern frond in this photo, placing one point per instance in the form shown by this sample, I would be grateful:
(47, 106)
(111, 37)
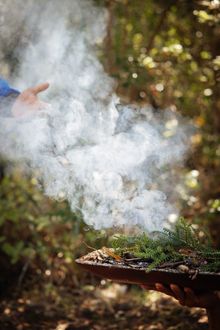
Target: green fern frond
(168, 246)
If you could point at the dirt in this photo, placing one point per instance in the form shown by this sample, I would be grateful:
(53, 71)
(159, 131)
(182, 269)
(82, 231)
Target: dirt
(105, 306)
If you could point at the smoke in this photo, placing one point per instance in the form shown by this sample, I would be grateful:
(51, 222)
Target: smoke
(112, 162)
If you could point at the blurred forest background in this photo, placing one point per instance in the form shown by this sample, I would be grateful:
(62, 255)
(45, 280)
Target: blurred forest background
(161, 53)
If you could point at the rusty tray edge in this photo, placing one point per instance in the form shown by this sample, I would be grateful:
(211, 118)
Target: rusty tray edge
(119, 266)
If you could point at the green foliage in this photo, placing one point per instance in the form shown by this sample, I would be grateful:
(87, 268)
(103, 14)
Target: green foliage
(165, 53)
(183, 236)
(178, 244)
(43, 234)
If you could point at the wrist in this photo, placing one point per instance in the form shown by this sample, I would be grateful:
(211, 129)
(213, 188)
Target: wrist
(6, 104)
(214, 317)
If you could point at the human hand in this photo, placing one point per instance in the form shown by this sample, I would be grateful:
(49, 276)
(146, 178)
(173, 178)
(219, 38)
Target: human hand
(186, 296)
(28, 102)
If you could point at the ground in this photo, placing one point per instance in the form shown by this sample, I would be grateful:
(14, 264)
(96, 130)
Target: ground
(103, 306)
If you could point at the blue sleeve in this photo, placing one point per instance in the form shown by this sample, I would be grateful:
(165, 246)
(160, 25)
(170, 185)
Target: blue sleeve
(8, 96)
(5, 89)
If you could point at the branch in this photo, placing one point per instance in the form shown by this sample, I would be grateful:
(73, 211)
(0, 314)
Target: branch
(159, 26)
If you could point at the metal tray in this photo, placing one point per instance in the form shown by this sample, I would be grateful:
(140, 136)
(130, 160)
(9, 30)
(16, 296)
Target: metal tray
(126, 274)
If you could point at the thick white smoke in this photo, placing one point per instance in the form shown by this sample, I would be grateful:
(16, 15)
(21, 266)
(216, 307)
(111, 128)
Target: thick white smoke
(109, 161)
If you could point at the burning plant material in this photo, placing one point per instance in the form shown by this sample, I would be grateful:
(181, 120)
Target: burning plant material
(176, 256)
(180, 248)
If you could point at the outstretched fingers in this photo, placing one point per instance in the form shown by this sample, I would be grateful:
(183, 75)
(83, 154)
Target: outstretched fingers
(148, 287)
(178, 293)
(186, 296)
(39, 88)
(162, 288)
(190, 295)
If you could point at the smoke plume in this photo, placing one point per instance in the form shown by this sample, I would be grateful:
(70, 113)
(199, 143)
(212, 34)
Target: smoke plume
(110, 161)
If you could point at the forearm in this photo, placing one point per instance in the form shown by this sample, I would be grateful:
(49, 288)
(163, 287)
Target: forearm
(214, 318)
(6, 104)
